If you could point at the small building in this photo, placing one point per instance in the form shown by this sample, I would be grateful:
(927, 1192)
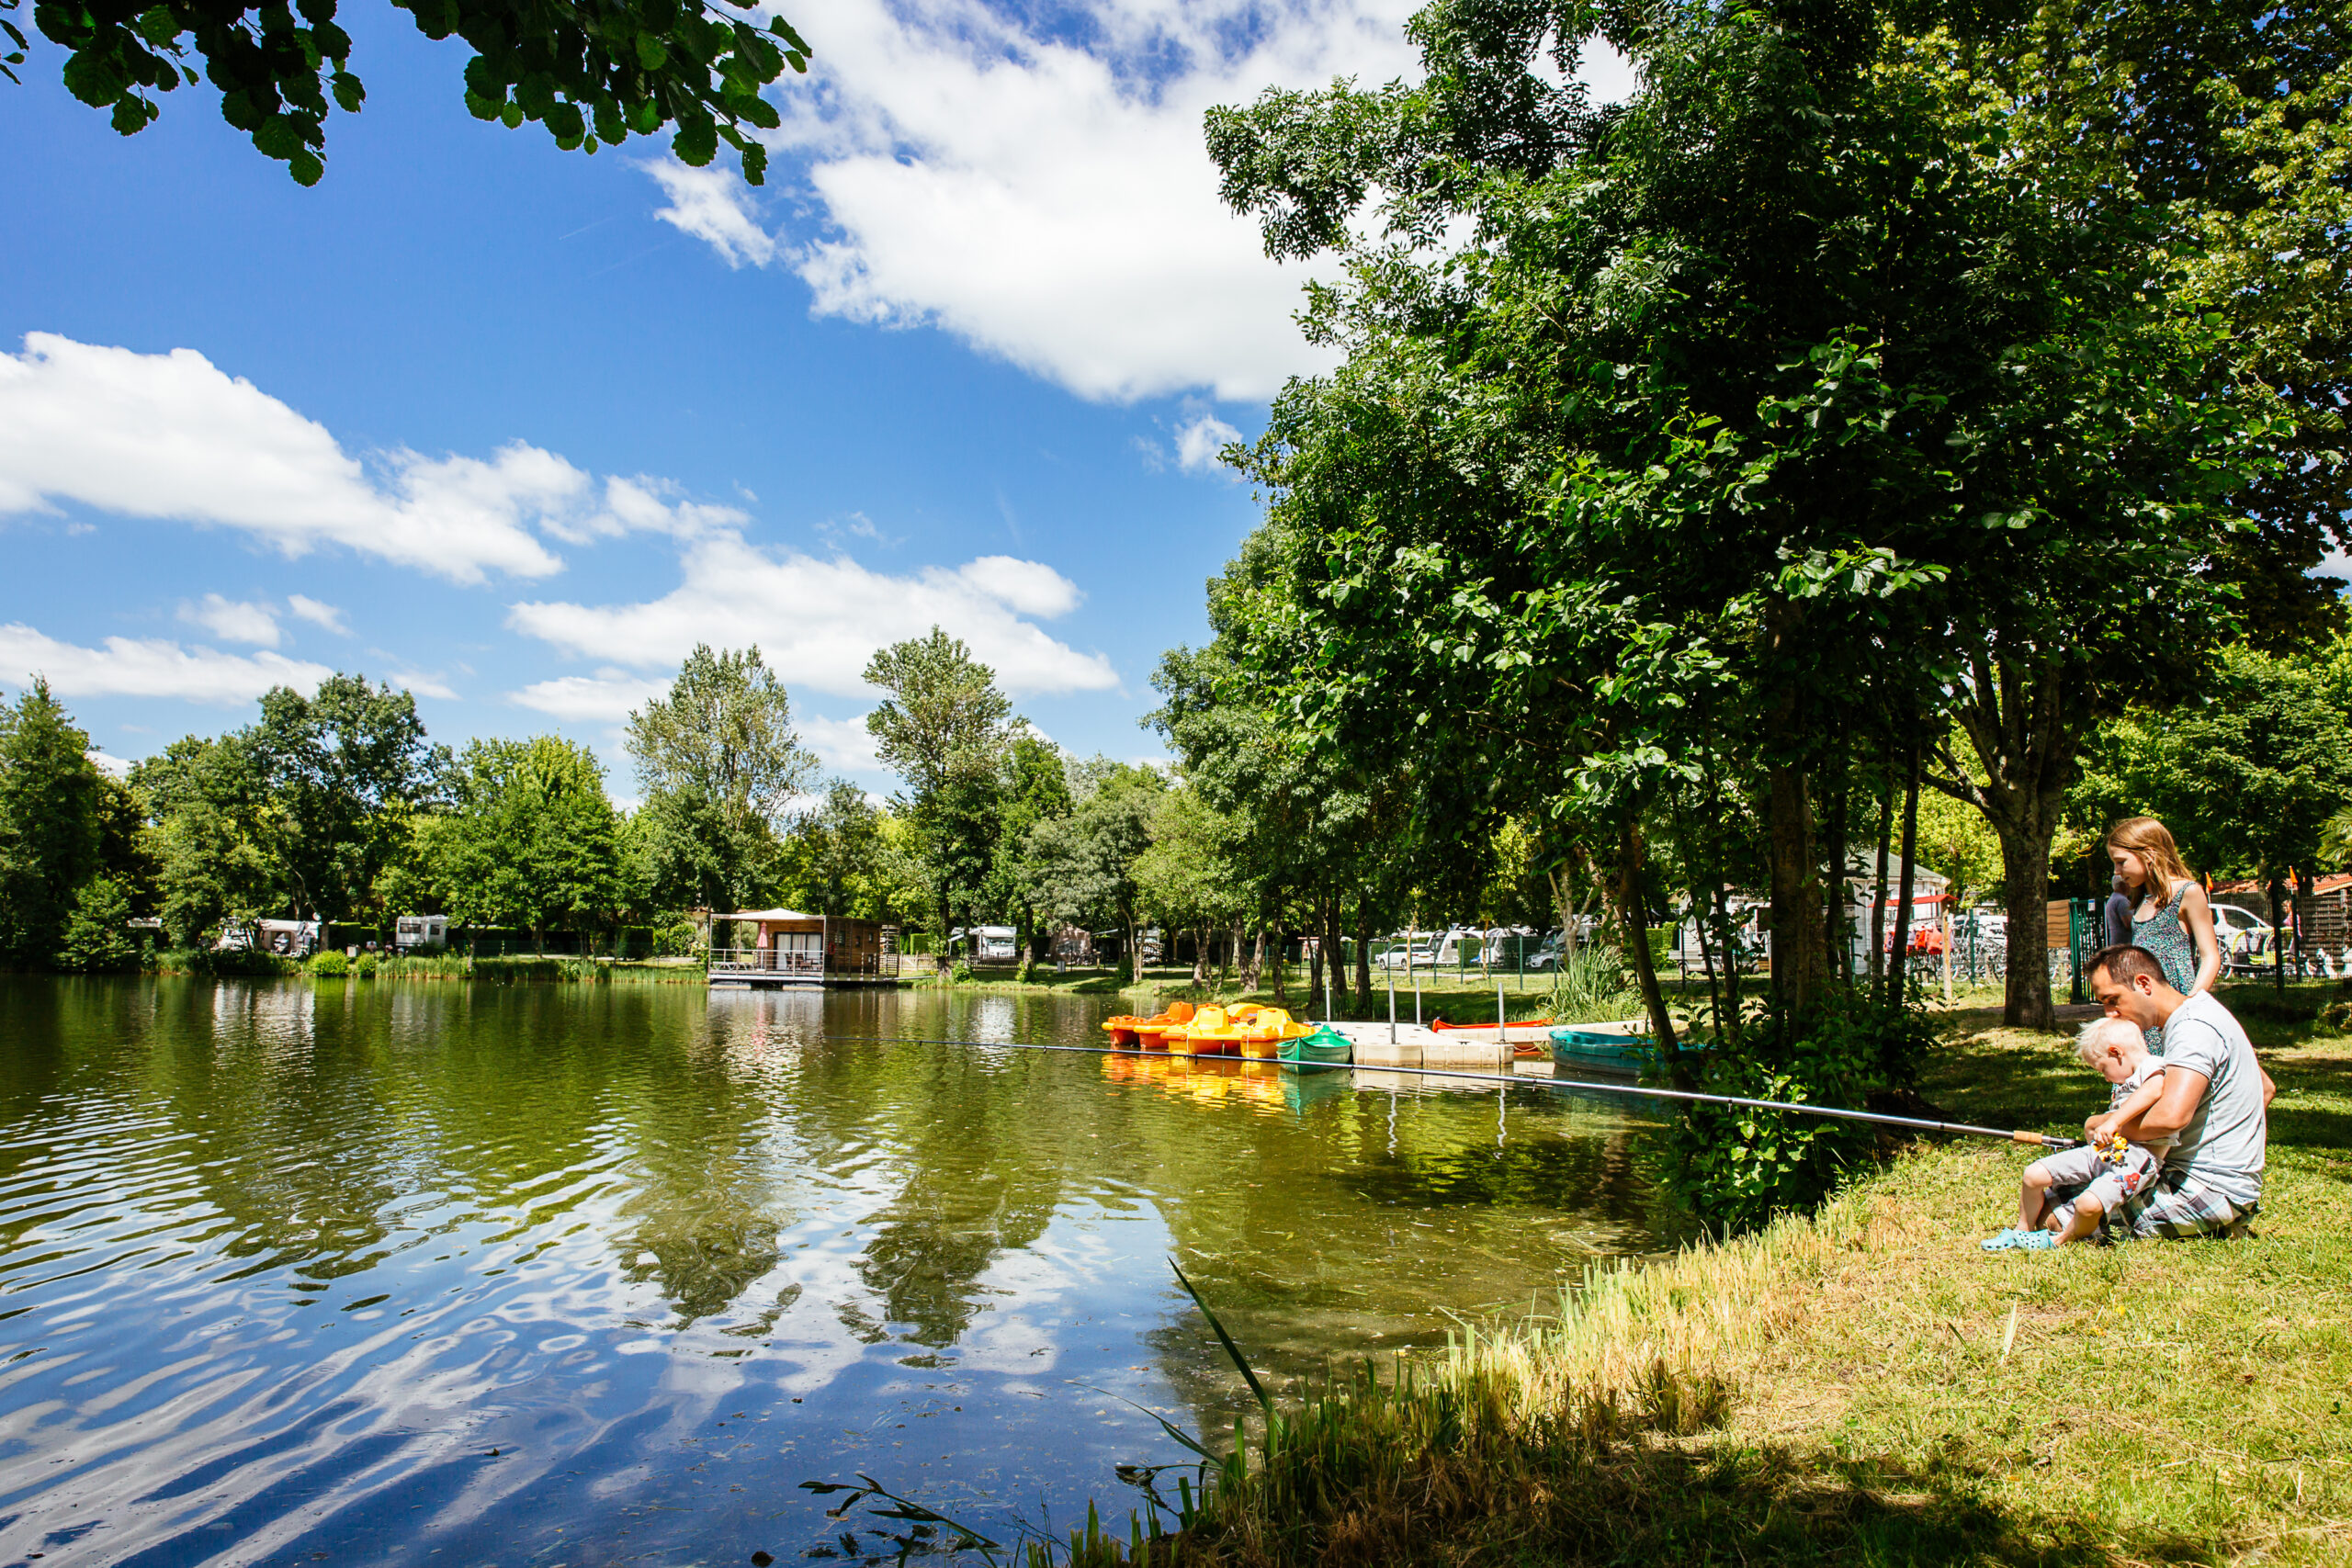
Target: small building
(786, 947)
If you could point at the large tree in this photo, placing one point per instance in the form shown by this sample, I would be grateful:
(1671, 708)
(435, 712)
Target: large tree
(724, 771)
(49, 829)
(1086, 868)
(1713, 422)
(943, 727)
(592, 75)
(530, 838)
(340, 767)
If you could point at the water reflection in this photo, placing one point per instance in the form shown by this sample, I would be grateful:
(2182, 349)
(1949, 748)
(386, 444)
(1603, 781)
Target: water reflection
(280, 1265)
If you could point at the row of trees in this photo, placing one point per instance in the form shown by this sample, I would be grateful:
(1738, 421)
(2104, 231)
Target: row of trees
(336, 806)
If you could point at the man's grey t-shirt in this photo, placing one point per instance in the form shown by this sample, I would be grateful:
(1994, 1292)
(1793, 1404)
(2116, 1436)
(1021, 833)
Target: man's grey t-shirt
(2222, 1147)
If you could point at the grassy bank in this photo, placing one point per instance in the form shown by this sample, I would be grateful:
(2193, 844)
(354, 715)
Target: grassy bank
(1866, 1386)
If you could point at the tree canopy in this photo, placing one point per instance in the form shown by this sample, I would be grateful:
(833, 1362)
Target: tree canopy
(593, 75)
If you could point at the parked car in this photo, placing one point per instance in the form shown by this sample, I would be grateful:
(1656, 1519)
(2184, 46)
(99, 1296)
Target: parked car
(2235, 926)
(1406, 955)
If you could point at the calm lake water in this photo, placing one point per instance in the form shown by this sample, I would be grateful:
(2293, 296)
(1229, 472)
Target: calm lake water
(568, 1274)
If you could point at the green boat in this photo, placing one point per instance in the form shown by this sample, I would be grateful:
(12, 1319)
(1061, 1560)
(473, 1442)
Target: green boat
(1326, 1047)
(1601, 1047)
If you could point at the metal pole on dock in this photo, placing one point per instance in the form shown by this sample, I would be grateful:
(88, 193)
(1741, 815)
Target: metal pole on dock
(1391, 956)
(1412, 944)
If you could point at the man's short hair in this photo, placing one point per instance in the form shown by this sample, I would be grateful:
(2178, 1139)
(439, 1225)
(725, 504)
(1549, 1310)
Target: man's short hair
(2126, 963)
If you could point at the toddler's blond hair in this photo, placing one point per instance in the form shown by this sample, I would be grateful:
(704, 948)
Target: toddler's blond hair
(2101, 1032)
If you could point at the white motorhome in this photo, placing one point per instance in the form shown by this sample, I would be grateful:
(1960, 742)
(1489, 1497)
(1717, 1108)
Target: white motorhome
(287, 939)
(415, 932)
(987, 944)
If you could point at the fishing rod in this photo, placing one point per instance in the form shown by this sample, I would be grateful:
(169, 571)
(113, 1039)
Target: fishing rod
(1878, 1118)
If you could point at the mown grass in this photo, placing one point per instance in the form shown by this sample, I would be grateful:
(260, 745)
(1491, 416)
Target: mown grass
(1865, 1386)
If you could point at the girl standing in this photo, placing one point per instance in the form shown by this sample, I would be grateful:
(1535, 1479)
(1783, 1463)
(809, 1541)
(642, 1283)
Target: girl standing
(2170, 916)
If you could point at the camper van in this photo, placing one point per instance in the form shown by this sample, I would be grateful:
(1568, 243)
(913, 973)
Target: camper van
(414, 933)
(987, 944)
(287, 939)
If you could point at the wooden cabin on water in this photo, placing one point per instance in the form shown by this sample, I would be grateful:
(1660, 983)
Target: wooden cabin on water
(784, 947)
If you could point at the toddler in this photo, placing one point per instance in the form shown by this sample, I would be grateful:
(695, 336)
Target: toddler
(2066, 1196)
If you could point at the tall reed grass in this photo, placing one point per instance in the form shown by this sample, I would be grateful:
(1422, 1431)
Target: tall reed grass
(1592, 985)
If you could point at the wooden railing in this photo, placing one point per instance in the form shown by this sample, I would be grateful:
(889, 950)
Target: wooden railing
(771, 961)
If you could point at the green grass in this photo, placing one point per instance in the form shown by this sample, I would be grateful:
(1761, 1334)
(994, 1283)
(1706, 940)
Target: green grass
(1865, 1386)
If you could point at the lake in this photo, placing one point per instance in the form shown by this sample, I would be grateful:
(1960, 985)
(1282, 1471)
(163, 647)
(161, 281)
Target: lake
(443, 1273)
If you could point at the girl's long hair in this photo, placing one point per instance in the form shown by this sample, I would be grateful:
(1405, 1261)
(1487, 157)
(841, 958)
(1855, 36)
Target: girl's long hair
(2151, 841)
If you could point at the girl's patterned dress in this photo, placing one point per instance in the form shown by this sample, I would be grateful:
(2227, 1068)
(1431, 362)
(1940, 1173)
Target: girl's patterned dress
(2162, 934)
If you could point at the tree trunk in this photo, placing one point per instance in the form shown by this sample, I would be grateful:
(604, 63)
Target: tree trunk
(1899, 952)
(1837, 938)
(2024, 721)
(1796, 926)
(1637, 949)
(1878, 895)
(1335, 973)
(2277, 937)
(1315, 959)
(1364, 955)
(2025, 871)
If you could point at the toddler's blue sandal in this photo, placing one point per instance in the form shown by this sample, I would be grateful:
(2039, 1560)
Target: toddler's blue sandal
(2037, 1241)
(2003, 1241)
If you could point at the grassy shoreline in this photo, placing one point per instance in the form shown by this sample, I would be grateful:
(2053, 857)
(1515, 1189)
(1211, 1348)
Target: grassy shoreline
(1865, 1385)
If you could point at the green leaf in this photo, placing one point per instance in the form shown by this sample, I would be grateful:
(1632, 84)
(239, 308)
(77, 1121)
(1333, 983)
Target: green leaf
(134, 115)
(650, 53)
(695, 143)
(306, 167)
(348, 93)
(279, 137)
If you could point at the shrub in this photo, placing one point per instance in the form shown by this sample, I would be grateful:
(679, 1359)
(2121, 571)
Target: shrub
(365, 966)
(330, 966)
(1592, 983)
(676, 940)
(1028, 968)
(1736, 1168)
(962, 973)
(97, 938)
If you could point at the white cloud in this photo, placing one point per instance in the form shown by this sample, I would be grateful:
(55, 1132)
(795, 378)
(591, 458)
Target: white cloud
(148, 667)
(232, 621)
(113, 767)
(2335, 563)
(609, 695)
(1042, 190)
(1051, 202)
(169, 435)
(421, 683)
(842, 745)
(318, 614)
(1199, 442)
(816, 621)
(713, 205)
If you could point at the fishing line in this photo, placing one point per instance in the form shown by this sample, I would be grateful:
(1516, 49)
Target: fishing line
(1645, 1091)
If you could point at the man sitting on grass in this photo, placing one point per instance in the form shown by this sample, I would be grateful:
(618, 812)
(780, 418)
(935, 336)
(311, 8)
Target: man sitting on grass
(2067, 1196)
(2215, 1104)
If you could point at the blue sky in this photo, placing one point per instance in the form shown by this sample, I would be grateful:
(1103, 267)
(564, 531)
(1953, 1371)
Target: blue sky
(516, 427)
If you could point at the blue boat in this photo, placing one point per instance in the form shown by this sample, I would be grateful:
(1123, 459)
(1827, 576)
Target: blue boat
(1601, 1047)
